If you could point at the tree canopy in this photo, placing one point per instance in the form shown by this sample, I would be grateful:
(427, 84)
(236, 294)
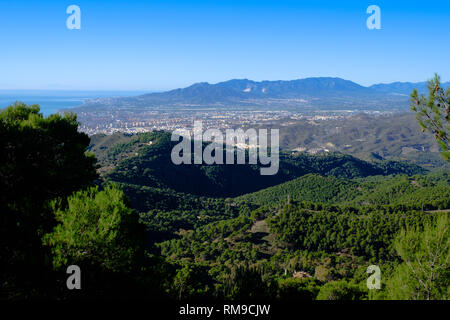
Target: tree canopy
(41, 159)
(96, 227)
(433, 113)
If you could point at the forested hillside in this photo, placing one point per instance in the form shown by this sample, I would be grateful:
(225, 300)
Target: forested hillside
(371, 190)
(145, 228)
(312, 229)
(305, 236)
(145, 160)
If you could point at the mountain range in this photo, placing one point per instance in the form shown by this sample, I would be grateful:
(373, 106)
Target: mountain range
(319, 92)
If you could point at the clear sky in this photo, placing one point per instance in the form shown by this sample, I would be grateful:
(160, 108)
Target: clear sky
(158, 45)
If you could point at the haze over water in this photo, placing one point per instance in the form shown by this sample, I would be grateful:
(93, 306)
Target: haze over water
(53, 101)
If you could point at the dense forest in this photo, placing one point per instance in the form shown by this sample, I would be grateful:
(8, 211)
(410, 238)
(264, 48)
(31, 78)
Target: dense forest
(141, 227)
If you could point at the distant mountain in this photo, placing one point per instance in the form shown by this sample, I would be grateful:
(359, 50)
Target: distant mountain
(404, 88)
(246, 89)
(319, 93)
(236, 90)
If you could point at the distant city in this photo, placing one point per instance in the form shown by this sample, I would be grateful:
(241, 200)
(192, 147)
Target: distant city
(243, 103)
(230, 104)
(110, 122)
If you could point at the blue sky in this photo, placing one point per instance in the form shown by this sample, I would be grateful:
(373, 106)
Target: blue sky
(159, 45)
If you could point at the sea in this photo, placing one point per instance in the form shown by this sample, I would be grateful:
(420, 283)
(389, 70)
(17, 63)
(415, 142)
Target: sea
(54, 101)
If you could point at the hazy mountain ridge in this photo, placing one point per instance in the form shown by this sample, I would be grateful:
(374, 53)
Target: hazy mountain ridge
(247, 89)
(404, 87)
(318, 92)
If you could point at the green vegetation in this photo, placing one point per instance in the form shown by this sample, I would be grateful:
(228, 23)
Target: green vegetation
(368, 231)
(96, 227)
(433, 113)
(147, 163)
(424, 272)
(341, 290)
(41, 159)
(398, 189)
(149, 229)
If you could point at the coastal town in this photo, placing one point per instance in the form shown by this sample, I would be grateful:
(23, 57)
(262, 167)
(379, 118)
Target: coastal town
(109, 122)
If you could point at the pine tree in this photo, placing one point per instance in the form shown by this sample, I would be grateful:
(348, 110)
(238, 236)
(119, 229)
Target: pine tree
(433, 113)
(424, 273)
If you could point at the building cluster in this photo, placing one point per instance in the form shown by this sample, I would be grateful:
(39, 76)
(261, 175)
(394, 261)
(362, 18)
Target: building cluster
(109, 122)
